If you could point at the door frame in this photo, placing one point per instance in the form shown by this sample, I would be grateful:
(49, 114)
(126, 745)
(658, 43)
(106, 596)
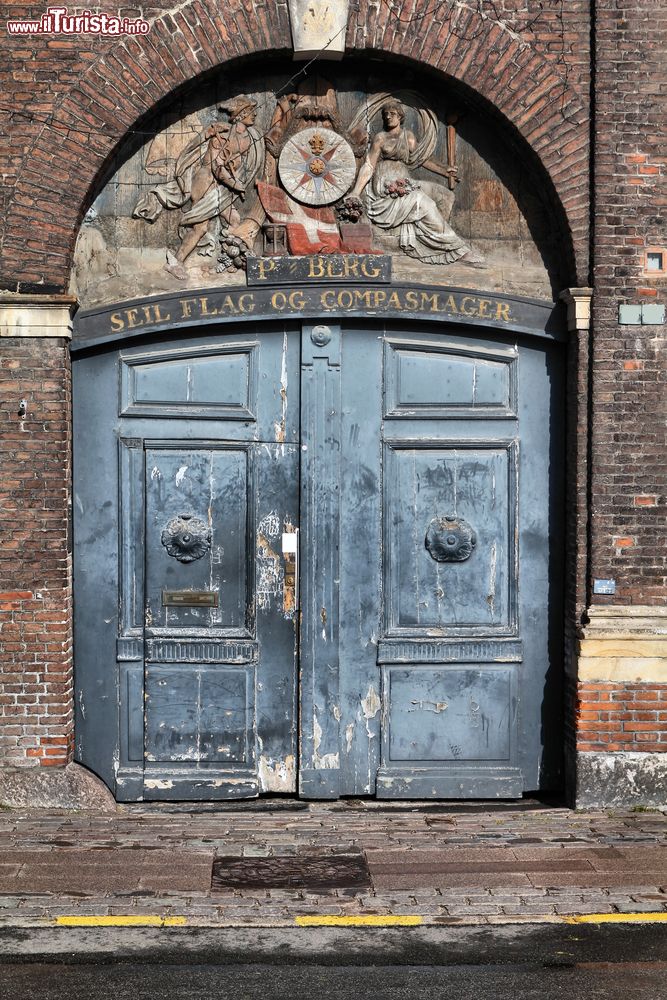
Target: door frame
(451, 310)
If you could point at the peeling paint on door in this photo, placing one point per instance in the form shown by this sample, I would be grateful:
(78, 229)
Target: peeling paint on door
(322, 762)
(277, 775)
(280, 426)
(290, 582)
(270, 574)
(429, 706)
(371, 704)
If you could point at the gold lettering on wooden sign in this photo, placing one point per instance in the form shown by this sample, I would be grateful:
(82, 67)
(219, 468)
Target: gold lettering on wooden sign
(298, 300)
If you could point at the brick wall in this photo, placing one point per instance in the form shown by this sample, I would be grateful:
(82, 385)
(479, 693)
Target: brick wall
(629, 443)
(72, 99)
(67, 102)
(36, 710)
(612, 717)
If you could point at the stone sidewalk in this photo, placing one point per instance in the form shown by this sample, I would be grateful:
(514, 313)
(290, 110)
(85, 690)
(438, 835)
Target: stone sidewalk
(348, 862)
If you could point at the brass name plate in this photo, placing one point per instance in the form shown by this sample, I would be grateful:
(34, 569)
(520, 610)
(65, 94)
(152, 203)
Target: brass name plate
(189, 599)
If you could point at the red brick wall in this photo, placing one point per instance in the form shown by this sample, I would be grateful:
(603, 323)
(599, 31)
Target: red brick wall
(74, 98)
(612, 717)
(36, 710)
(68, 102)
(71, 101)
(629, 443)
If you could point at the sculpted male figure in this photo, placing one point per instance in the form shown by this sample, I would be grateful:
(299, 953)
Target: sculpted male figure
(214, 182)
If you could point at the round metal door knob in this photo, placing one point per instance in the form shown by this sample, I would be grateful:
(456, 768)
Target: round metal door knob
(450, 539)
(186, 538)
(320, 336)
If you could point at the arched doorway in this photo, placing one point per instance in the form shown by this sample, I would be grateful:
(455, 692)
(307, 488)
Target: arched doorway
(318, 497)
(329, 541)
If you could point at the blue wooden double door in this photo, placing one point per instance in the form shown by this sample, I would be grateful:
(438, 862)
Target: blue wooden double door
(319, 559)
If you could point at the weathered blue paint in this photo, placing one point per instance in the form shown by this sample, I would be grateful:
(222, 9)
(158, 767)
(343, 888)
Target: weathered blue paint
(419, 675)
(320, 573)
(187, 702)
(468, 650)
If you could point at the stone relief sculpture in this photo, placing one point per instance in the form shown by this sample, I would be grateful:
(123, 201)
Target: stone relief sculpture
(418, 210)
(311, 163)
(309, 185)
(214, 183)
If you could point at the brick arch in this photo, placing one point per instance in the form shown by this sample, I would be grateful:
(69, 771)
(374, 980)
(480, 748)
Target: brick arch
(112, 88)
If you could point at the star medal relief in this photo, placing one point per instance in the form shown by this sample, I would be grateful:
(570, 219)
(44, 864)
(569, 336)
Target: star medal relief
(317, 166)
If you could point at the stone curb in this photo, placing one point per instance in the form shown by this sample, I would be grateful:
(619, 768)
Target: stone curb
(406, 922)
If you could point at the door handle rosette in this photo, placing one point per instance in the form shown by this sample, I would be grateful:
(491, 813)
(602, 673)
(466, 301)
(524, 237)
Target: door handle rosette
(450, 539)
(186, 538)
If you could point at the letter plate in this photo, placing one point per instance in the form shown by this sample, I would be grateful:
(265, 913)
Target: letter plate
(350, 268)
(189, 599)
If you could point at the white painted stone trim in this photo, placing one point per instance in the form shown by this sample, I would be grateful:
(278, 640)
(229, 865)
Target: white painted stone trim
(578, 302)
(318, 28)
(36, 315)
(624, 644)
(633, 619)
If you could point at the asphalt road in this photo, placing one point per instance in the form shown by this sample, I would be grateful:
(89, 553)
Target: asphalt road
(540, 944)
(614, 981)
(510, 962)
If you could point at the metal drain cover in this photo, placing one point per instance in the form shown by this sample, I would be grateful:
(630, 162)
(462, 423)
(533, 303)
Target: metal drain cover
(306, 871)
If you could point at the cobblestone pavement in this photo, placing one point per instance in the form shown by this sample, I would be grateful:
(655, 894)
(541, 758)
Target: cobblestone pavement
(429, 864)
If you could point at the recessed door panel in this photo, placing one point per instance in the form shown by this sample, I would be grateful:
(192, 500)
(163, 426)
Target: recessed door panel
(197, 537)
(449, 539)
(449, 714)
(199, 714)
(448, 380)
(205, 383)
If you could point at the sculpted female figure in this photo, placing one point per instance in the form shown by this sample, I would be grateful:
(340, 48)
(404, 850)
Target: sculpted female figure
(418, 209)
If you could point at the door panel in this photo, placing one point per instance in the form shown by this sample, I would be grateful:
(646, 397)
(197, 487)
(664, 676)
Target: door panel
(448, 714)
(200, 713)
(205, 647)
(444, 660)
(425, 379)
(197, 537)
(430, 581)
(213, 383)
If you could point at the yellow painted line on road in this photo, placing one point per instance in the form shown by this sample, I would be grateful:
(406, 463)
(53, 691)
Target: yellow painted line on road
(618, 918)
(375, 920)
(134, 920)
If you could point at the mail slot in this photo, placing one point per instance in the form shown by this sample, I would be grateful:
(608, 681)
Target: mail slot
(189, 599)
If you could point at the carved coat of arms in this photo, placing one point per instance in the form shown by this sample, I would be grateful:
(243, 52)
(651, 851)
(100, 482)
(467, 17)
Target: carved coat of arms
(311, 185)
